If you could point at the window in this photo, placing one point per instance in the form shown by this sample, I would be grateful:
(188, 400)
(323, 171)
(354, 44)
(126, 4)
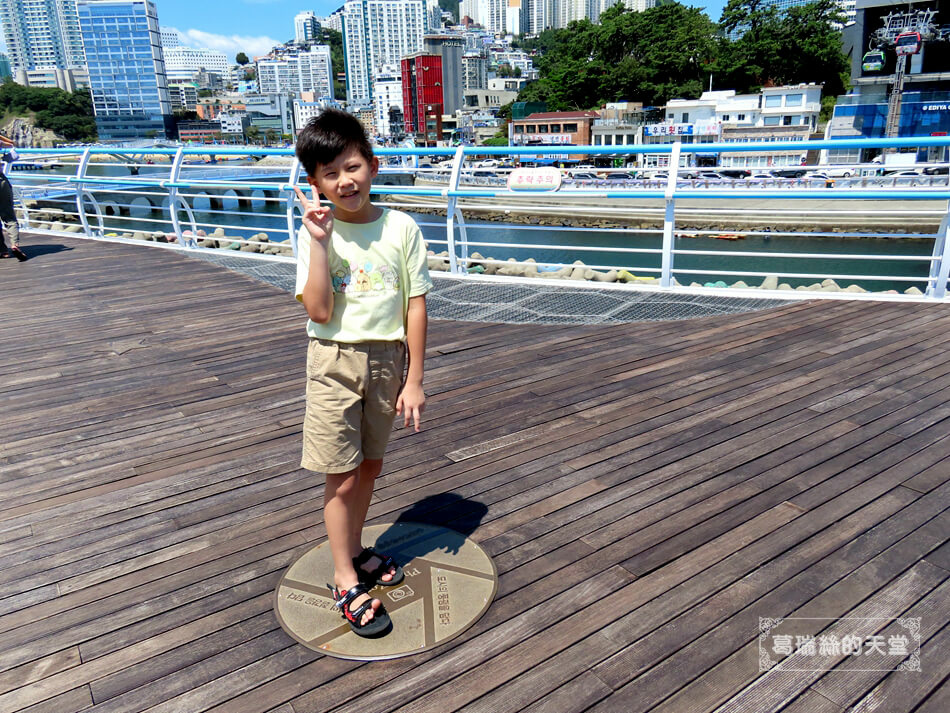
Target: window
(786, 120)
(770, 120)
(519, 129)
(569, 128)
(685, 118)
(555, 128)
(773, 101)
(741, 117)
(725, 117)
(531, 129)
(542, 128)
(608, 140)
(793, 99)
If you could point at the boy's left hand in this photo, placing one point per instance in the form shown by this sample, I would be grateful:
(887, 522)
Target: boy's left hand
(411, 403)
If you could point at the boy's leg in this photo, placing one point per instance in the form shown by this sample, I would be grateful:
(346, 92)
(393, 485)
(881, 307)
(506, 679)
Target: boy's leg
(340, 512)
(369, 470)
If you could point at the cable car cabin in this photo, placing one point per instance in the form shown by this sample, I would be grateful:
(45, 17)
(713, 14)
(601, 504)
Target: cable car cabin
(907, 43)
(873, 61)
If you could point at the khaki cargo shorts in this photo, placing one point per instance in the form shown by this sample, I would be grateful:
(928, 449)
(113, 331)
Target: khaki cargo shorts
(351, 402)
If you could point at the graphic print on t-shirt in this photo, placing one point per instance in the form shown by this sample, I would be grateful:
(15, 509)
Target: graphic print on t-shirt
(364, 277)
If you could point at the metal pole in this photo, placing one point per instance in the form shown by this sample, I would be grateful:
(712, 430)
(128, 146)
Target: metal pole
(669, 218)
(453, 213)
(292, 204)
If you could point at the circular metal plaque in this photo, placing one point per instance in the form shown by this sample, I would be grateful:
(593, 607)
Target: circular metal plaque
(450, 582)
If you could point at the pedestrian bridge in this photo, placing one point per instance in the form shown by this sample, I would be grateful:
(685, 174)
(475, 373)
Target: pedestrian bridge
(674, 508)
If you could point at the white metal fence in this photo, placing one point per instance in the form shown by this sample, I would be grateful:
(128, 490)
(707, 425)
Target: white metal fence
(654, 237)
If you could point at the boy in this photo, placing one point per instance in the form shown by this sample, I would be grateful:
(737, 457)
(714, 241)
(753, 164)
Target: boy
(362, 275)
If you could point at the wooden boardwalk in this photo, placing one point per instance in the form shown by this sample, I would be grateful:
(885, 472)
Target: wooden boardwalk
(648, 492)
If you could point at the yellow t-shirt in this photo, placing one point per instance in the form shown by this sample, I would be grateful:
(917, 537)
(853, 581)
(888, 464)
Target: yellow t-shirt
(375, 267)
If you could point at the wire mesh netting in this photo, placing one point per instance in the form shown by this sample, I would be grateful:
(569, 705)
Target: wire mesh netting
(481, 301)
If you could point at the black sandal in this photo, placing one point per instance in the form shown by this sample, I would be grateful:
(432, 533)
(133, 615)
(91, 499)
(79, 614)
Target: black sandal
(379, 625)
(373, 577)
(18, 254)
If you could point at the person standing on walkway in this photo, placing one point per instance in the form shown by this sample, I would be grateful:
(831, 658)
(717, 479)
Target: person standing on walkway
(362, 277)
(11, 229)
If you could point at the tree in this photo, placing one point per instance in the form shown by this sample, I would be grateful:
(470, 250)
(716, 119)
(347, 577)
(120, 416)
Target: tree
(253, 134)
(649, 56)
(496, 141)
(241, 59)
(800, 45)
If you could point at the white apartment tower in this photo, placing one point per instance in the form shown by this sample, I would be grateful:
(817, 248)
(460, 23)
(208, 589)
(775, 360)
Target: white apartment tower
(387, 88)
(41, 34)
(306, 27)
(377, 33)
(170, 37)
(181, 63)
(310, 71)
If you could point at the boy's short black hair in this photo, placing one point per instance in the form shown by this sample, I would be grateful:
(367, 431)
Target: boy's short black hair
(328, 135)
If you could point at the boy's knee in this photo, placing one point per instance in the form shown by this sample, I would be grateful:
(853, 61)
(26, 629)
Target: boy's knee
(371, 467)
(343, 483)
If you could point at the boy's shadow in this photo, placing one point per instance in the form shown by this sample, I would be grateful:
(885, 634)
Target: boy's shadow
(455, 517)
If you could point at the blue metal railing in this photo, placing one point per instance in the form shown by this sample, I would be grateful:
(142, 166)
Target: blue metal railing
(175, 189)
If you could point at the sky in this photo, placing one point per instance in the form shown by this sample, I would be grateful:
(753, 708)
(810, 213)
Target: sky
(255, 26)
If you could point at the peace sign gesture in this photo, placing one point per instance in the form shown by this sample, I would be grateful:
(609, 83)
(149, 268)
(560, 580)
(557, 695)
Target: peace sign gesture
(317, 219)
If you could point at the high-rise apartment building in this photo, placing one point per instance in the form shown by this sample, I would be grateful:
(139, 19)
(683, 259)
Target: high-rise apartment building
(377, 33)
(42, 34)
(474, 71)
(181, 63)
(306, 27)
(309, 71)
(126, 69)
(170, 37)
(387, 85)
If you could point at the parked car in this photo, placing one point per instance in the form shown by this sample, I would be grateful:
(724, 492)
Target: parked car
(584, 176)
(937, 170)
(789, 172)
(761, 175)
(712, 176)
(620, 176)
(839, 171)
(735, 173)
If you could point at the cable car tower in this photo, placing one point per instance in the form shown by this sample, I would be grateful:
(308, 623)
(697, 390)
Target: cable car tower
(906, 33)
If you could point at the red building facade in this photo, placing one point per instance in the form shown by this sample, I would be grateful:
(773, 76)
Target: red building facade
(422, 97)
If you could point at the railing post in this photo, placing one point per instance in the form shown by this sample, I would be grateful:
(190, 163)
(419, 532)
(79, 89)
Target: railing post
(291, 204)
(173, 198)
(669, 218)
(452, 213)
(81, 194)
(940, 265)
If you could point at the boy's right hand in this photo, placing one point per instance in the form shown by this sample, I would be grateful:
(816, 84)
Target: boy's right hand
(317, 219)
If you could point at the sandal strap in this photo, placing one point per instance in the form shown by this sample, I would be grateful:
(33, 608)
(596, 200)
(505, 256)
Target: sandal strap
(342, 602)
(386, 562)
(343, 599)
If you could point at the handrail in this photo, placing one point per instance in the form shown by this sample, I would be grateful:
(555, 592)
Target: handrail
(183, 183)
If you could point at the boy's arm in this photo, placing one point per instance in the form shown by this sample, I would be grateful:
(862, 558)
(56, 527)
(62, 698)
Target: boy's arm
(317, 295)
(412, 398)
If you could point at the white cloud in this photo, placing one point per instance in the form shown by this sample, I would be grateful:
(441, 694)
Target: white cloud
(229, 44)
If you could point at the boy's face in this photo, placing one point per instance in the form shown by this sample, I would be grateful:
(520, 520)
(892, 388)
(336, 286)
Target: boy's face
(346, 183)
